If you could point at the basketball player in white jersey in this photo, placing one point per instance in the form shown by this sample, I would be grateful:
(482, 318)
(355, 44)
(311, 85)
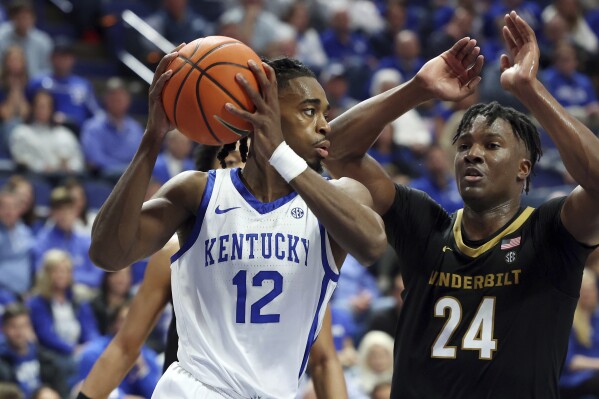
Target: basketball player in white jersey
(148, 304)
(260, 250)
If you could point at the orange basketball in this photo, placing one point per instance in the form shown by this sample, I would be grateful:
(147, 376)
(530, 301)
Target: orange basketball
(203, 80)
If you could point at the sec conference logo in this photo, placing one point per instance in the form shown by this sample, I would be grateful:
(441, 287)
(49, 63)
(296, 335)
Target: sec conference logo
(297, 213)
(510, 257)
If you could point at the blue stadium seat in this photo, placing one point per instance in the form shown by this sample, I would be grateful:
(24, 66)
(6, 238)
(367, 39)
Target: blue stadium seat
(97, 191)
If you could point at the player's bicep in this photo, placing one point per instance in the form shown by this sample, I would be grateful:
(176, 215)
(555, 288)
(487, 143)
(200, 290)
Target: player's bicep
(580, 216)
(174, 203)
(372, 175)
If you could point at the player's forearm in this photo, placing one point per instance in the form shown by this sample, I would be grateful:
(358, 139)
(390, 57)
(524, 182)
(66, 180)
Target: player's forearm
(117, 224)
(577, 145)
(354, 132)
(108, 371)
(328, 379)
(355, 227)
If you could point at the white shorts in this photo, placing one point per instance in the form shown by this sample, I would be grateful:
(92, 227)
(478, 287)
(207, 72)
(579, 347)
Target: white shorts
(177, 383)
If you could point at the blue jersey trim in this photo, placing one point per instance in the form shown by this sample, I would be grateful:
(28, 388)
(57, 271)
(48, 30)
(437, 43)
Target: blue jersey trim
(328, 271)
(199, 217)
(260, 207)
(312, 336)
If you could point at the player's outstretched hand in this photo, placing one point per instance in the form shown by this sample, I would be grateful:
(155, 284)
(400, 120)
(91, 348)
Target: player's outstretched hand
(519, 70)
(454, 74)
(158, 123)
(266, 119)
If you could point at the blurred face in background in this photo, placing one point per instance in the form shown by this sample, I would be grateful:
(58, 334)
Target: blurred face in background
(117, 102)
(178, 145)
(61, 275)
(65, 216)
(119, 283)
(9, 209)
(18, 331)
(379, 359)
(43, 108)
(23, 20)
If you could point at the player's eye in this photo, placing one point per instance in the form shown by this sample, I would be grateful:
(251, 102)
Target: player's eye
(310, 111)
(493, 146)
(462, 147)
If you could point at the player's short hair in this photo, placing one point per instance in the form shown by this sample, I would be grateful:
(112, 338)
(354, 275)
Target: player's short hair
(522, 127)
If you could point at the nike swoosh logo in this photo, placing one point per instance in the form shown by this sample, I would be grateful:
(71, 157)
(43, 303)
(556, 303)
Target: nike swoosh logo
(446, 248)
(234, 129)
(219, 211)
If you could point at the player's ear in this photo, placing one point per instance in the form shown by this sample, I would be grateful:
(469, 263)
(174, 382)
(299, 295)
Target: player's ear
(524, 169)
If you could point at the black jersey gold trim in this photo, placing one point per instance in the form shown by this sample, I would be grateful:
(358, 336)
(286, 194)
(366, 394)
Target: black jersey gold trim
(475, 252)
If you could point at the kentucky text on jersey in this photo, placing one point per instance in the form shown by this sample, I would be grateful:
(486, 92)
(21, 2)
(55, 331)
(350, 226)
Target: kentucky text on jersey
(230, 247)
(452, 280)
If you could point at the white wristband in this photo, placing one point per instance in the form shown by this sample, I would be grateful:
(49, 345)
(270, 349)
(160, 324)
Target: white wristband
(287, 162)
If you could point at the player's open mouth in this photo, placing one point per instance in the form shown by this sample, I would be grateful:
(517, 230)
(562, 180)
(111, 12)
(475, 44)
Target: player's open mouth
(472, 175)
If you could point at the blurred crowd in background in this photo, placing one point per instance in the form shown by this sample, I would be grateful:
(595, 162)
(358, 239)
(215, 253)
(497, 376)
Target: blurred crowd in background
(72, 115)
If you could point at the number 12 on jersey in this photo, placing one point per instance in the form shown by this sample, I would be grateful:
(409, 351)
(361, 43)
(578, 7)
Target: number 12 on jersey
(240, 280)
(479, 335)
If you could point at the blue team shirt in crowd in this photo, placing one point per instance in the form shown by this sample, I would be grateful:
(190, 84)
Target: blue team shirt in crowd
(575, 90)
(15, 258)
(26, 368)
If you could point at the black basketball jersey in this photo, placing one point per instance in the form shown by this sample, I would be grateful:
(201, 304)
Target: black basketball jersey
(172, 342)
(482, 320)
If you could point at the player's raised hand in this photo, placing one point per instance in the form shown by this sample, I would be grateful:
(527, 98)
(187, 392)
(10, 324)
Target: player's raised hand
(520, 69)
(454, 74)
(267, 134)
(158, 123)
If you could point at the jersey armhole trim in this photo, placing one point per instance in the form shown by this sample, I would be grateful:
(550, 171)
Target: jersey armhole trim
(325, 251)
(199, 217)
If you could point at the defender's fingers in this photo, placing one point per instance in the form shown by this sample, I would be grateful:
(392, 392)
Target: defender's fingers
(513, 30)
(471, 57)
(476, 68)
(156, 88)
(458, 46)
(509, 40)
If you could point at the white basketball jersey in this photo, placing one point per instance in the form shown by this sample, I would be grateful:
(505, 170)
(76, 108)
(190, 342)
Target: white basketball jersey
(250, 289)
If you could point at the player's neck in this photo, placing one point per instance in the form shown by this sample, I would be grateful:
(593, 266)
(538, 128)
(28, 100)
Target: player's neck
(264, 182)
(480, 224)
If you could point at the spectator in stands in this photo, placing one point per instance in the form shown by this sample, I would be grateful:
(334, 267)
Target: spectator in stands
(375, 360)
(16, 244)
(343, 329)
(114, 292)
(309, 47)
(178, 23)
(335, 83)
(74, 96)
(356, 292)
(24, 190)
(580, 378)
(14, 107)
(460, 25)
(572, 89)
(438, 180)
(85, 217)
(493, 20)
(10, 391)
(22, 360)
(348, 47)
(409, 130)
(407, 57)
(61, 322)
(579, 31)
(142, 378)
(555, 30)
(111, 138)
(391, 156)
(385, 319)
(21, 31)
(175, 158)
(256, 26)
(42, 146)
(60, 232)
(382, 43)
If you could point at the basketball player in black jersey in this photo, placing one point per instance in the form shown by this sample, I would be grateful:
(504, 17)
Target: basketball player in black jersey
(490, 291)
